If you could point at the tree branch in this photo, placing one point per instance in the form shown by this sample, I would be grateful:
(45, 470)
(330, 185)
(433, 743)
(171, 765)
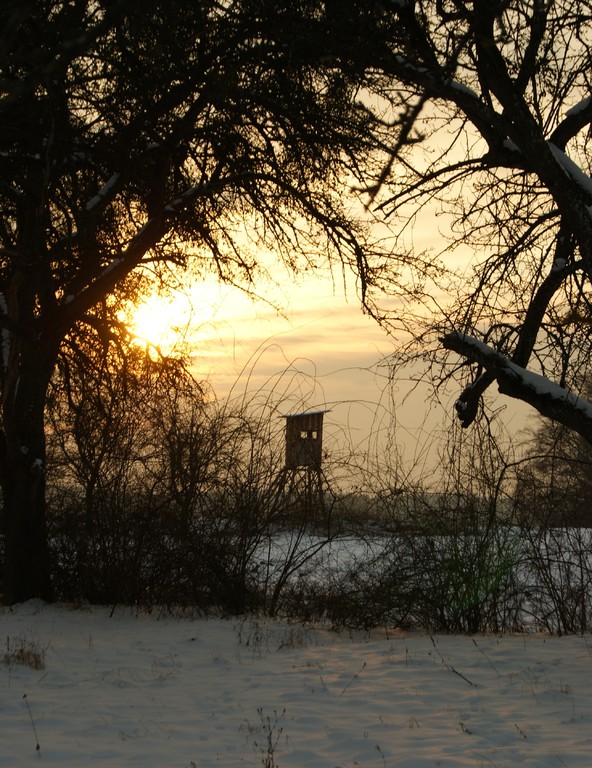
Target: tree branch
(576, 119)
(548, 398)
(468, 402)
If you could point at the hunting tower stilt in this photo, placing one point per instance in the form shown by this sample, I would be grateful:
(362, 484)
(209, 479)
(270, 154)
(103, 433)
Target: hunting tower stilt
(302, 477)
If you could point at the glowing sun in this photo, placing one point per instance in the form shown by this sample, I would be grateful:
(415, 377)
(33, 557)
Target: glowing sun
(162, 322)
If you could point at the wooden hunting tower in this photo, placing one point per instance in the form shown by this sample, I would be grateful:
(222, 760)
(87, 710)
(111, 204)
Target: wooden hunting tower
(304, 440)
(300, 483)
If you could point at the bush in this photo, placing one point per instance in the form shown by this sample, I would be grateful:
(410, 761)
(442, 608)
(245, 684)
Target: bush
(159, 495)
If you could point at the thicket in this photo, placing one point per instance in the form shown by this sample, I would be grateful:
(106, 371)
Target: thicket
(500, 541)
(161, 495)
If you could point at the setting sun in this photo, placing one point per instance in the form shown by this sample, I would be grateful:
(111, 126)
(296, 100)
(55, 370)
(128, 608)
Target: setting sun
(170, 322)
(162, 322)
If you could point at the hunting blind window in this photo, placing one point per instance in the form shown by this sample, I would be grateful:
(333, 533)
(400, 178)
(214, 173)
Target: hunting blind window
(304, 439)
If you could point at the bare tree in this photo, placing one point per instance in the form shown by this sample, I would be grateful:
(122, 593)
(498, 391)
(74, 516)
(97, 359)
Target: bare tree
(554, 479)
(110, 507)
(489, 107)
(137, 139)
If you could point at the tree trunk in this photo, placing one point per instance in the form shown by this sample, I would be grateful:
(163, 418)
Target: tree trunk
(27, 561)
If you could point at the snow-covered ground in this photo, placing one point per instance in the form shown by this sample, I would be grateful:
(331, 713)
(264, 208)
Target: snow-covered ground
(151, 691)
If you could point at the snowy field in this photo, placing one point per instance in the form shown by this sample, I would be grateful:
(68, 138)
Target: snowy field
(143, 690)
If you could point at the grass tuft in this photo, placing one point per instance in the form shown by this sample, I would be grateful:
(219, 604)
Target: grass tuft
(24, 652)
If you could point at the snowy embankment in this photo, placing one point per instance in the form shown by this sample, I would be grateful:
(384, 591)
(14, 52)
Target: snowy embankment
(156, 692)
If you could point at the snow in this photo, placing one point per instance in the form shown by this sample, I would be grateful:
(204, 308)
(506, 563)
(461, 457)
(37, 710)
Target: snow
(111, 266)
(534, 381)
(571, 169)
(461, 88)
(103, 193)
(132, 689)
(509, 144)
(543, 386)
(179, 202)
(402, 61)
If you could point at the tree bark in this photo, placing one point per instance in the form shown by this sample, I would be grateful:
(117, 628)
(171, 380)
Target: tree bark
(27, 557)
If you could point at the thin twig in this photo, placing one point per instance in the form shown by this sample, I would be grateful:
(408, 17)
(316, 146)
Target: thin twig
(449, 666)
(482, 652)
(38, 748)
(352, 680)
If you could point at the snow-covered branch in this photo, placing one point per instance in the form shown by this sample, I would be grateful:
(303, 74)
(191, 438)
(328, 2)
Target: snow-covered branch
(546, 396)
(180, 202)
(571, 169)
(105, 194)
(575, 120)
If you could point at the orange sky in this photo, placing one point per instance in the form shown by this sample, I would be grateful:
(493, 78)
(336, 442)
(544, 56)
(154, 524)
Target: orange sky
(322, 352)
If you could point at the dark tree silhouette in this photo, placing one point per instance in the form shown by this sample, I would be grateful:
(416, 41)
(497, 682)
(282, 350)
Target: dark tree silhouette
(139, 137)
(489, 104)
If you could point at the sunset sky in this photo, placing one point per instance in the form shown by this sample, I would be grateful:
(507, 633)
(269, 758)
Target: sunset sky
(308, 339)
(317, 331)
(322, 352)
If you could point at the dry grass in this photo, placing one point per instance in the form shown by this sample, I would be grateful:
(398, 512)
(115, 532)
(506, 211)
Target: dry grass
(24, 652)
